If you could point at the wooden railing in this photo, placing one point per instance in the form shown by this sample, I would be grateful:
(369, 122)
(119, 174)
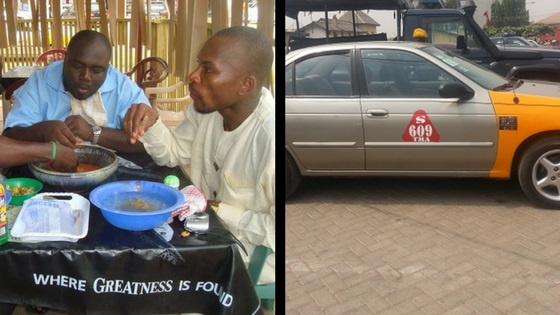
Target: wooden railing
(124, 56)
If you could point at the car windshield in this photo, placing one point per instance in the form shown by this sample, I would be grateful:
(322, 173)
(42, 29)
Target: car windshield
(482, 76)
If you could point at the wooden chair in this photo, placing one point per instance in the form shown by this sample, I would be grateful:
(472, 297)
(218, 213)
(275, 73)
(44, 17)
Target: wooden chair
(50, 56)
(159, 98)
(155, 95)
(8, 97)
(265, 292)
(148, 72)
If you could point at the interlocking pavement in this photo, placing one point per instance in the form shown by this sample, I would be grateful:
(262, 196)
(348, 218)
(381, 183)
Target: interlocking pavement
(420, 246)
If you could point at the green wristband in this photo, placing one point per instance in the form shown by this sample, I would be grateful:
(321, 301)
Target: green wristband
(53, 151)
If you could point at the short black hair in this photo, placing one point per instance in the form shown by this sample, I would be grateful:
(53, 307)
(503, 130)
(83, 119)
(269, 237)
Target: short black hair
(90, 37)
(259, 54)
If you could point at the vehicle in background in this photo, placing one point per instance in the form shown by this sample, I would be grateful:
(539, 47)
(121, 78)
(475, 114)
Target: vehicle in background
(516, 41)
(454, 29)
(253, 12)
(533, 43)
(70, 11)
(159, 10)
(414, 109)
(458, 31)
(24, 13)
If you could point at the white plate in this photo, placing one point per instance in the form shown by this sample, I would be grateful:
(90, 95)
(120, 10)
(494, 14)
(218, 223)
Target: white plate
(77, 202)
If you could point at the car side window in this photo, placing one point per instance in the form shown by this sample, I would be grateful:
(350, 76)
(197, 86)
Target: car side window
(327, 75)
(399, 74)
(515, 42)
(445, 31)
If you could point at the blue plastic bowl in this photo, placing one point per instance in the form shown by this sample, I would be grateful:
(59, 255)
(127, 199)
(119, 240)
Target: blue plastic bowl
(136, 205)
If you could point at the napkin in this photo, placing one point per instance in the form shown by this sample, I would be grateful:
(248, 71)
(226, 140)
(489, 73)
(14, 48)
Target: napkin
(195, 201)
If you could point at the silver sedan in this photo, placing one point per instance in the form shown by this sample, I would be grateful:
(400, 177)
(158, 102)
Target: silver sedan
(413, 109)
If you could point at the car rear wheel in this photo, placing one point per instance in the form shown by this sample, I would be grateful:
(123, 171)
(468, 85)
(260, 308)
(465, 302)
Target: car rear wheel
(293, 177)
(539, 173)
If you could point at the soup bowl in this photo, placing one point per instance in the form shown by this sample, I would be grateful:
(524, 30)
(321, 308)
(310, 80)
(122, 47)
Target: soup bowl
(136, 205)
(30, 188)
(98, 165)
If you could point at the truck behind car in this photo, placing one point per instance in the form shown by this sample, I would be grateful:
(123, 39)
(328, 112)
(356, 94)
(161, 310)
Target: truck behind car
(456, 29)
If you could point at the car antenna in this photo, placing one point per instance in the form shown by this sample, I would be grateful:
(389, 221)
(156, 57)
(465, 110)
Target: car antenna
(515, 98)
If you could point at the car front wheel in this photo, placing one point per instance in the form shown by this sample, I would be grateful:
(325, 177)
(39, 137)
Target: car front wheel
(539, 173)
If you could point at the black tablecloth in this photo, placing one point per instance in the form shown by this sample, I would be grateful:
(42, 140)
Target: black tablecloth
(114, 271)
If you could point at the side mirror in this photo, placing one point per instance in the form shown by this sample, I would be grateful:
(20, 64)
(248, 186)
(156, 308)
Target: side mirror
(461, 42)
(455, 90)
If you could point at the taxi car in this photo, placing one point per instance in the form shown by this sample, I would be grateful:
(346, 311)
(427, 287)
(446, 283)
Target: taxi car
(413, 109)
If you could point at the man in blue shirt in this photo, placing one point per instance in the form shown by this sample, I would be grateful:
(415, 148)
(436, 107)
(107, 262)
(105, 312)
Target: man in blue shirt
(82, 98)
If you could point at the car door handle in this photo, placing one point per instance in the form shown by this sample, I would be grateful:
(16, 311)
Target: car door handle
(373, 113)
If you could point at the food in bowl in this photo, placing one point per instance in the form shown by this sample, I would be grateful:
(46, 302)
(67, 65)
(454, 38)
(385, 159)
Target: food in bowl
(136, 205)
(104, 163)
(22, 188)
(82, 167)
(139, 204)
(19, 191)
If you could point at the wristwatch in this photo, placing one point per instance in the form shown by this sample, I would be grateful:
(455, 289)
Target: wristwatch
(96, 130)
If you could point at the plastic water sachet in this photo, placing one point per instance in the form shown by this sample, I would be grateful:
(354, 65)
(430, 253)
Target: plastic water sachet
(47, 216)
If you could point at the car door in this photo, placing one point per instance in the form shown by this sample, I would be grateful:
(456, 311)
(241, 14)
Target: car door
(323, 113)
(409, 128)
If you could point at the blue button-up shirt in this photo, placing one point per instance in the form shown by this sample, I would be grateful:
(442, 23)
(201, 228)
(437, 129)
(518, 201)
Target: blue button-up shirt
(43, 97)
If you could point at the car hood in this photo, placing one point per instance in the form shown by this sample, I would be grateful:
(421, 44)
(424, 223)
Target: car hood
(540, 88)
(529, 93)
(529, 52)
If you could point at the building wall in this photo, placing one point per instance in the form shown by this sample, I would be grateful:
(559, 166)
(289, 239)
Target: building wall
(369, 28)
(481, 7)
(314, 31)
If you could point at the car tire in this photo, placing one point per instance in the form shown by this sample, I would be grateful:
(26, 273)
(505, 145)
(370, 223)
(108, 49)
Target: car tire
(539, 173)
(293, 176)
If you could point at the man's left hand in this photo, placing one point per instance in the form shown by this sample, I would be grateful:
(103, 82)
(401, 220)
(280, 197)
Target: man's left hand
(138, 119)
(80, 127)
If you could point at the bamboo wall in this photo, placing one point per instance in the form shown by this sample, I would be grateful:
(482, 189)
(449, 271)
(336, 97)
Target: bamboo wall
(155, 37)
(124, 56)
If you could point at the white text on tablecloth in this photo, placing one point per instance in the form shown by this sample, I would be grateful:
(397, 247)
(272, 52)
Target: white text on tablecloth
(102, 285)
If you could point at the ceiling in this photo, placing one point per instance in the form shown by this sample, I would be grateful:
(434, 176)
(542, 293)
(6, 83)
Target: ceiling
(293, 7)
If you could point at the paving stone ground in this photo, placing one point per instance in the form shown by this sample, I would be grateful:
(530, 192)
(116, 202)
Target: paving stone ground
(420, 246)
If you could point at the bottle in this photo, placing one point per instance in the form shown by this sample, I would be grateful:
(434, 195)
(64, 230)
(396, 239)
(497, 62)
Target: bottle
(172, 181)
(4, 235)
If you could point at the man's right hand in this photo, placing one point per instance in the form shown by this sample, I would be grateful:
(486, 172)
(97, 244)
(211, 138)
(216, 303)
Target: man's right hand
(138, 119)
(54, 130)
(66, 159)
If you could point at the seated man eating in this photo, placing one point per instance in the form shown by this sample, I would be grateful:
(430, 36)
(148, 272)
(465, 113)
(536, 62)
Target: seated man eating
(82, 98)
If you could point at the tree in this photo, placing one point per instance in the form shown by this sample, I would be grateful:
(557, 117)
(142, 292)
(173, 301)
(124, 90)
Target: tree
(511, 17)
(451, 4)
(509, 13)
(528, 31)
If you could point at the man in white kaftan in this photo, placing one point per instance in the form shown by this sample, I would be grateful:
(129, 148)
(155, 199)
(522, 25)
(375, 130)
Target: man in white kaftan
(227, 137)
